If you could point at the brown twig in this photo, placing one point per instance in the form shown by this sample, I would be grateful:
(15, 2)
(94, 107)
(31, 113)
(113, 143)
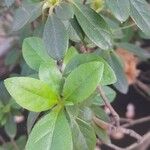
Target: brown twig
(82, 49)
(107, 104)
(143, 145)
(113, 146)
(135, 146)
(125, 120)
(143, 87)
(110, 127)
(135, 122)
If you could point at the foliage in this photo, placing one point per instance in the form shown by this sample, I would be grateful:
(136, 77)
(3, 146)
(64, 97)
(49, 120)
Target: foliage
(62, 82)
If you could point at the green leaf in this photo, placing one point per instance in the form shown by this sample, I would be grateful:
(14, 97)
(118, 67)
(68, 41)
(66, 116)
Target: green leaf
(140, 13)
(52, 132)
(85, 113)
(31, 94)
(96, 99)
(141, 53)
(115, 63)
(100, 113)
(75, 31)
(26, 14)
(12, 57)
(119, 8)
(32, 117)
(71, 52)
(108, 77)
(50, 74)
(38, 31)
(102, 134)
(34, 52)
(33, 1)
(128, 33)
(21, 142)
(64, 11)
(83, 135)
(1, 148)
(73, 110)
(55, 37)
(82, 81)
(115, 28)
(4, 95)
(26, 70)
(93, 25)
(143, 35)
(11, 127)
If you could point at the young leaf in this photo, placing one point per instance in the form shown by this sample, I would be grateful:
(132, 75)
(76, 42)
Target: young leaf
(52, 132)
(108, 77)
(31, 94)
(26, 14)
(82, 81)
(140, 13)
(50, 74)
(97, 5)
(55, 37)
(83, 135)
(34, 52)
(119, 8)
(93, 25)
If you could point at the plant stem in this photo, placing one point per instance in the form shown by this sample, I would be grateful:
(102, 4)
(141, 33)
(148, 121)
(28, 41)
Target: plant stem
(108, 105)
(125, 120)
(143, 86)
(111, 127)
(135, 122)
(112, 146)
(140, 146)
